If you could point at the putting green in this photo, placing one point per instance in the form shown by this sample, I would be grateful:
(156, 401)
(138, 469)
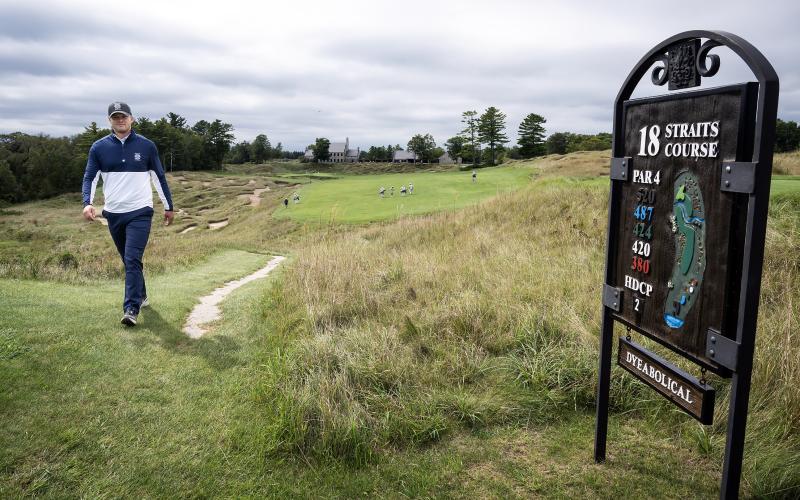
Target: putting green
(355, 198)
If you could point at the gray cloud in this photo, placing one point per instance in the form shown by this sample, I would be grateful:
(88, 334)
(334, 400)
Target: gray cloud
(373, 73)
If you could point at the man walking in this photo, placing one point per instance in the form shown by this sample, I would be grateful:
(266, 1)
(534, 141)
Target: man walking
(127, 163)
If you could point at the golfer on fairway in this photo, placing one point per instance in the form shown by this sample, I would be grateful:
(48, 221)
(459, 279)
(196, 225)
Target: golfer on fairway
(127, 162)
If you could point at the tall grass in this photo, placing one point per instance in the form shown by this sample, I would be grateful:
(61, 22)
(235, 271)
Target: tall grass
(398, 334)
(404, 332)
(459, 320)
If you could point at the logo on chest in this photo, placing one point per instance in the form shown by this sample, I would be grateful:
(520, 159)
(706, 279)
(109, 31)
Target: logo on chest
(137, 156)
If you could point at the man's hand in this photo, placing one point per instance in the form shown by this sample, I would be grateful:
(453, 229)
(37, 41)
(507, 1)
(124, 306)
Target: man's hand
(168, 216)
(88, 213)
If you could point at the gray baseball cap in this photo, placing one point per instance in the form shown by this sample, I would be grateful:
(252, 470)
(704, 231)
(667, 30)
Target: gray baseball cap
(119, 107)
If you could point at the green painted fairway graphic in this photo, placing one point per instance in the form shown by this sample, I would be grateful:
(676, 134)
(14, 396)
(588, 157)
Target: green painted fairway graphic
(688, 226)
(356, 198)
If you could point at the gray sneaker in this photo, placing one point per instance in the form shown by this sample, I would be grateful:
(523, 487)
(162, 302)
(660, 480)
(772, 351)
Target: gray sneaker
(129, 318)
(145, 302)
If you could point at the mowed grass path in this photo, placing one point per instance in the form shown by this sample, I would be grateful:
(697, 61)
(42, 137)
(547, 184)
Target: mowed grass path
(89, 407)
(355, 199)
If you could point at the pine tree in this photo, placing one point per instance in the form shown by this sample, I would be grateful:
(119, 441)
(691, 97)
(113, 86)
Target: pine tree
(470, 134)
(531, 136)
(490, 130)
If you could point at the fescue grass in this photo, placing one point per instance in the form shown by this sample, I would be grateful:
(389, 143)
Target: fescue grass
(449, 354)
(786, 163)
(412, 331)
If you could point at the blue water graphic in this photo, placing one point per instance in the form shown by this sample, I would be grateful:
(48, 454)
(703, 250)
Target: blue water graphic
(672, 321)
(683, 211)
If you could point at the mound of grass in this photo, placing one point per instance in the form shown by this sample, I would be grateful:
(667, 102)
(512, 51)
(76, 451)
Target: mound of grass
(786, 163)
(448, 354)
(459, 320)
(398, 335)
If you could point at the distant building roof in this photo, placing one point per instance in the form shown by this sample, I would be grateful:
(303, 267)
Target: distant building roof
(445, 158)
(337, 147)
(404, 155)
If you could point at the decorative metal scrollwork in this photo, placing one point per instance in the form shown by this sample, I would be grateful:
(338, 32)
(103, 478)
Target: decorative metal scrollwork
(684, 63)
(660, 74)
(708, 71)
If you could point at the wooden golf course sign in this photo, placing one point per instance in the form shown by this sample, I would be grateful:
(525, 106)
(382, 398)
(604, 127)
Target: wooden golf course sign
(690, 177)
(688, 393)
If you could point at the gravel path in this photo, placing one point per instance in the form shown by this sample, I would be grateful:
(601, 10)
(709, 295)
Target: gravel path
(207, 311)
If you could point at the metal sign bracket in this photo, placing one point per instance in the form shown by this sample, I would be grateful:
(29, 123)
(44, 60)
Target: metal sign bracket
(621, 168)
(723, 350)
(738, 176)
(612, 297)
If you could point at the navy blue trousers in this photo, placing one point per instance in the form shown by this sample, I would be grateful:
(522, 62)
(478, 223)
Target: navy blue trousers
(130, 232)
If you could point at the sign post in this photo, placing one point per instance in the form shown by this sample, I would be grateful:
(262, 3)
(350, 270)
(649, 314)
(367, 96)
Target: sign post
(690, 178)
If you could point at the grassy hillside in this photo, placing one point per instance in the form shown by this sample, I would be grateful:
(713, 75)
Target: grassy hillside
(786, 163)
(51, 240)
(447, 354)
(417, 331)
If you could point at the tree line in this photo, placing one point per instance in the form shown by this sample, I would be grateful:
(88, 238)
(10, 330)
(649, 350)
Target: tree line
(259, 151)
(787, 136)
(38, 166)
(483, 141)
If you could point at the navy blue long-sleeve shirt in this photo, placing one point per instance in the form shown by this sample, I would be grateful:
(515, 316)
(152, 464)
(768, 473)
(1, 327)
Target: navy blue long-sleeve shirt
(127, 168)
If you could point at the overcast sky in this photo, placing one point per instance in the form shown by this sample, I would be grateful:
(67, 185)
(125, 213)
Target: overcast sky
(375, 71)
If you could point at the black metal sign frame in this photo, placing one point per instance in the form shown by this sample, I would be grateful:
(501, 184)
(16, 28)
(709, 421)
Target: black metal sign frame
(682, 60)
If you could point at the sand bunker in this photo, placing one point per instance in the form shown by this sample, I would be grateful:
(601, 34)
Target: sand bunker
(255, 198)
(207, 310)
(217, 224)
(189, 228)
